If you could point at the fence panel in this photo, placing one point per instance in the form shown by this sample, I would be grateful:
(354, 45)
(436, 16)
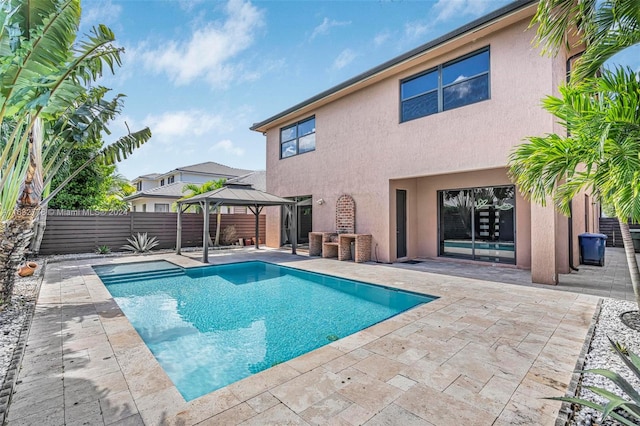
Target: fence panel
(81, 232)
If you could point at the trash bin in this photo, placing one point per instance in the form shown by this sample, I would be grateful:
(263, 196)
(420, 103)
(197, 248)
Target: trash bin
(592, 248)
(635, 236)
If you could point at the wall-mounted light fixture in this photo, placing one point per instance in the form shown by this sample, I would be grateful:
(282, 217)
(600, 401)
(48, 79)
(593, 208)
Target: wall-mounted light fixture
(320, 201)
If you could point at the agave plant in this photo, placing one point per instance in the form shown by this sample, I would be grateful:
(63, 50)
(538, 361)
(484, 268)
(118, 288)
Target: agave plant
(140, 243)
(103, 249)
(630, 407)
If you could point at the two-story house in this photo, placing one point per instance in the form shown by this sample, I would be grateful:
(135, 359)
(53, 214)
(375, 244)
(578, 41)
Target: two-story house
(421, 145)
(158, 192)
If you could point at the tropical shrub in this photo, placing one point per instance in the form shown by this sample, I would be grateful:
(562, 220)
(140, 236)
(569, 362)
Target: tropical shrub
(229, 235)
(141, 243)
(103, 250)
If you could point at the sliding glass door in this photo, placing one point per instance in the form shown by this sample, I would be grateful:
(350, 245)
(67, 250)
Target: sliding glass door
(303, 221)
(478, 223)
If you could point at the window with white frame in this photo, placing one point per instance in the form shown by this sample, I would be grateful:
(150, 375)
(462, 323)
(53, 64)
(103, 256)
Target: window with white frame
(161, 208)
(460, 82)
(298, 138)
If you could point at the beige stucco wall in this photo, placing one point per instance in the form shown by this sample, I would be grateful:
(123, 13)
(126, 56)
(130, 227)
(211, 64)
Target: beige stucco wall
(363, 150)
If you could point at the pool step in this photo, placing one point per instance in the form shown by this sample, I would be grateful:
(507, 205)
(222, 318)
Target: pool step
(141, 276)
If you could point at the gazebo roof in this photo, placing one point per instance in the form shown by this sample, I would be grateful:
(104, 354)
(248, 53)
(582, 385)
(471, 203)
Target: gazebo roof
(238, 195)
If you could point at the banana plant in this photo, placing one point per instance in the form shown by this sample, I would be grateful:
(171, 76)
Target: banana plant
(47, 109)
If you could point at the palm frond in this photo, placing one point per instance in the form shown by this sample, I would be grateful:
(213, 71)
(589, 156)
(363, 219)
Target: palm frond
(559, 21)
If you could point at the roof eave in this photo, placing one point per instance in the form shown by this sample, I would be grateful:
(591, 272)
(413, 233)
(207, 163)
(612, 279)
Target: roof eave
(134, 196)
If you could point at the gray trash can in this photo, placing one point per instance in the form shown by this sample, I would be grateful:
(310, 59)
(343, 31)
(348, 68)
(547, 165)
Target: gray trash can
(592, 248)
(635, 236)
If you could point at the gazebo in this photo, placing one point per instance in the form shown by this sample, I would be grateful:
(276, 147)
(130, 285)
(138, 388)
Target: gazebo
(230, 195)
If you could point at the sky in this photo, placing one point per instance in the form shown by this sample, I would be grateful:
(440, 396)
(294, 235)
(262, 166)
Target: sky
(199, 73)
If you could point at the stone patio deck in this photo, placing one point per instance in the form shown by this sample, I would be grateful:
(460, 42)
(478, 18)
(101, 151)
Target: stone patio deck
(484, 353)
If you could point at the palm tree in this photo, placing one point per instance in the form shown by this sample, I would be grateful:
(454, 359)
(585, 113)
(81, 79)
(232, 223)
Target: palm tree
(601, 154)
(209, 186)
(604, 27)
(119, 188)
(47, 110)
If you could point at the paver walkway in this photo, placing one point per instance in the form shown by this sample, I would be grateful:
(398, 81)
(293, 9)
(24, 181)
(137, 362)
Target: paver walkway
(483, 353)
(612, 280)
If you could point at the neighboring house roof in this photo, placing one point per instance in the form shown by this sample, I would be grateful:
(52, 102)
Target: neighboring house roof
(150, 176)
(362, 79)
(206, 168)
(172, 190)
(257, 179)
(211, 167)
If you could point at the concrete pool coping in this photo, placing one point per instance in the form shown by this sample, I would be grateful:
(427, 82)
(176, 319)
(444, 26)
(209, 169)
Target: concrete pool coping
(483, 353)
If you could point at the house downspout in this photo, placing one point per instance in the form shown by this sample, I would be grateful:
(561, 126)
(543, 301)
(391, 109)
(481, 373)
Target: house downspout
(568, 68)
(571, 237)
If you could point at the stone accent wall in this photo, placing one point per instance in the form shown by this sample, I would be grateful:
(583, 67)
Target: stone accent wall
(346, 215)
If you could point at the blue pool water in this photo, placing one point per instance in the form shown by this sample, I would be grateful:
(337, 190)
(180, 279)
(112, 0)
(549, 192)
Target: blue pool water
(483, 246)
(211, 326)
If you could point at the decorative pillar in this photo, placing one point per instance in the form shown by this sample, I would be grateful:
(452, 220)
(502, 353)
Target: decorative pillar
(543, 244)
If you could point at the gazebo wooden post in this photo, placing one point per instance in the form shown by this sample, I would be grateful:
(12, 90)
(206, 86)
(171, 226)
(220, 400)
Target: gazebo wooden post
(205, 233)
(256, 211)
(294, 228)
(179, 233)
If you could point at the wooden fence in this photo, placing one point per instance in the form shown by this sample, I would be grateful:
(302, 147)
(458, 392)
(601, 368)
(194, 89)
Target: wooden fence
(82, 232)
(611, 228)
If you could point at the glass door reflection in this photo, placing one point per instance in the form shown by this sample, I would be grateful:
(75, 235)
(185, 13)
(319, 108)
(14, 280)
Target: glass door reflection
(478, 224)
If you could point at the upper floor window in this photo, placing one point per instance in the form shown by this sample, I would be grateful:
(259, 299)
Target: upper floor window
(298, 138)
(161, 182)
(460, 82)
(171, 179)
(139, 186)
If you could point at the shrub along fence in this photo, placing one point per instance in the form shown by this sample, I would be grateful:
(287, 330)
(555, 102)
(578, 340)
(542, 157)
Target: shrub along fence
(83, 231)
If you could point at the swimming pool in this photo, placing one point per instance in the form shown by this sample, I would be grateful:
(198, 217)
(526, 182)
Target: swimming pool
(211, 326)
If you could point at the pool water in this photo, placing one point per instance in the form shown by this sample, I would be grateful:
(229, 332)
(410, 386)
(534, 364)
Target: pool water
(211, 326)
(480, 246)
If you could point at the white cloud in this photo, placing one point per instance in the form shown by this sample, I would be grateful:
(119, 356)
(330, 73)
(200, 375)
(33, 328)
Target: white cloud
(326, 25)
(210, 51)
(447, 9)
(100, 12)
(189, 5)
(227, 146)
(179, 127)
(415, 30)
(381, 38)
(344, 58)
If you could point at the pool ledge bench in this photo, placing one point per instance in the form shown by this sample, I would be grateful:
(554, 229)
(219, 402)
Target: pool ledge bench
(332, 244)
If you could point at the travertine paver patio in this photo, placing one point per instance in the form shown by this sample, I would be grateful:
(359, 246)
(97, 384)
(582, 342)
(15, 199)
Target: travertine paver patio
(483, 353)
